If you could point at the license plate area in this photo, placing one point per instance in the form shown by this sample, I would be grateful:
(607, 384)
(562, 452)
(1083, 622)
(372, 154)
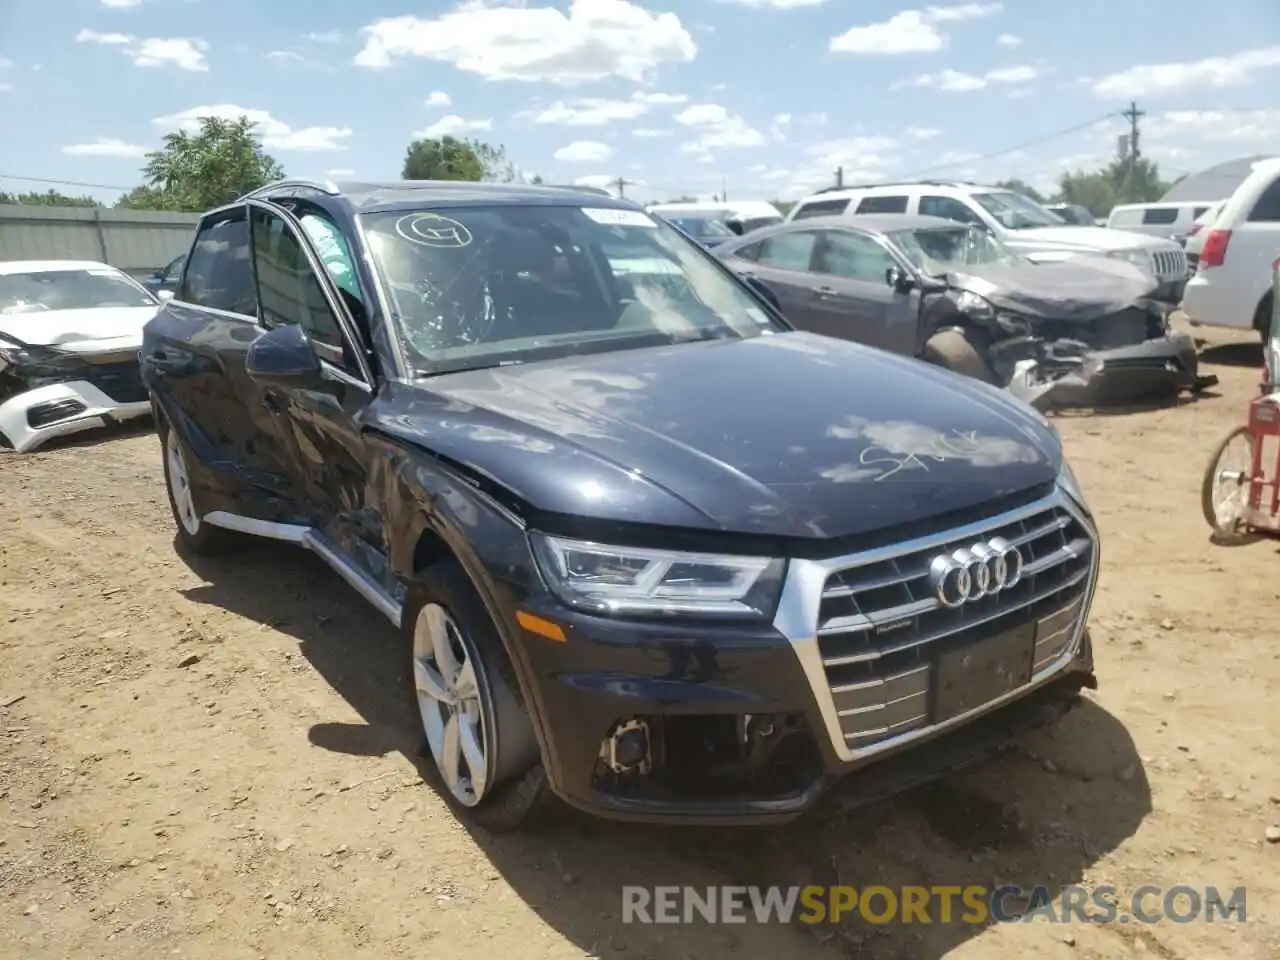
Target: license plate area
(972, 676)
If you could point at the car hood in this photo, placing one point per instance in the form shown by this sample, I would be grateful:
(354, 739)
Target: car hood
(1084, 288)
(1072, 237)
(787, 435)
(79, 331)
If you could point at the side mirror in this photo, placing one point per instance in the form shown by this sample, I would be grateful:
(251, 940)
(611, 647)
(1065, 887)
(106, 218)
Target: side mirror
(164, 296)
(284, 357)
(899, 279)
(761, 288)
(734, 224)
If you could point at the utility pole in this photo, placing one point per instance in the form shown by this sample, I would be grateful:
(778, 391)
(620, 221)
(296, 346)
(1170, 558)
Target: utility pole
(1133, 115)
(724, 191)
(839, 177)
(622, 183)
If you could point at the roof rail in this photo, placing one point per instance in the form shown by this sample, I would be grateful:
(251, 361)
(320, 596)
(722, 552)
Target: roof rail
(324, 186)
(577, 188)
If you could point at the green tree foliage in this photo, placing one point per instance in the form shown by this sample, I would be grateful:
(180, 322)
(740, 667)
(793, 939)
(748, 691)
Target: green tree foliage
(1123, 180)
(1021, 186)
(210, 168)
(50, 199)
(456, 158)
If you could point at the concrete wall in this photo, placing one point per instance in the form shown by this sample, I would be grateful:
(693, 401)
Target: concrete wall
(136, 241)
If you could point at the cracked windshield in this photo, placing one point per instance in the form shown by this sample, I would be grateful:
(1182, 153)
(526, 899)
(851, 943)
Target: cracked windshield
(508, 284)
(936, 251)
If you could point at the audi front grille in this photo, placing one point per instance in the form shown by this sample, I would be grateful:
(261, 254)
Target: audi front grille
(896, 642)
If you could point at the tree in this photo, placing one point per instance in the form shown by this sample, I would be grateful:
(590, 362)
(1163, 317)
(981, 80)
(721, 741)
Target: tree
(455, 158)
(50, 199)
(1125, 179)
(201, 171)
(1021, 186)
(141, 198)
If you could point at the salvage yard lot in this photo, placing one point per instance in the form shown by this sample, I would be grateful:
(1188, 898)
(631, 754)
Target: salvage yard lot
(209, 759)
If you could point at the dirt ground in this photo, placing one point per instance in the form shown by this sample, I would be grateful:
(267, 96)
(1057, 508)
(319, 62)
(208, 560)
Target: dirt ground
(210, 759)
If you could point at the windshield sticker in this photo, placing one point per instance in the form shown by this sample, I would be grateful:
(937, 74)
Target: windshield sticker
(433, 230)
(758, 315)
(620, 218)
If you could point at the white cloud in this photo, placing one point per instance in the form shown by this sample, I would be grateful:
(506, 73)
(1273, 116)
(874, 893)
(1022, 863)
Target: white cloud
(584, 151)
(285, 56)
(1009, 40)
(341, 174)
(326, 36)
(922, 133)
(909, 31)
(596, 180)
(452, 126)
(782, 119)
(953, 81)
(775, 4)
(1147, 80)
(1260, 126)
(105, 147)
(597, 111)
(276, 134)
(181, 52)
(438, 98)
(717, 128)
(121, 4)
(597, 39)
(650, 132)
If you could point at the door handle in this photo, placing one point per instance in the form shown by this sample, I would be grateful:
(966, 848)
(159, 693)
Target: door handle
(826, 292)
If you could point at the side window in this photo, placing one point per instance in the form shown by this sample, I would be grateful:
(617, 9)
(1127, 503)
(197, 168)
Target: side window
(949, 209)
(896, 204)
(1159, 215)
(1198, 212)
(853, 256)
(1267, 209)
(821, 208)
(288, 290)
(788, 251)
(334, 253)
(750, 252)
(218, 272)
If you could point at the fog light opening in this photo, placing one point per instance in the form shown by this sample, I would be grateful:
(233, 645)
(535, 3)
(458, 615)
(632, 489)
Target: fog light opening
(626, 750)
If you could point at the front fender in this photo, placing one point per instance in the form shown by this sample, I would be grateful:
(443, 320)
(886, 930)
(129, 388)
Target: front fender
(423, 495)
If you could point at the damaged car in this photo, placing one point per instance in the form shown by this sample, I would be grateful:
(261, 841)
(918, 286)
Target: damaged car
(1079, 332)
(69, 338)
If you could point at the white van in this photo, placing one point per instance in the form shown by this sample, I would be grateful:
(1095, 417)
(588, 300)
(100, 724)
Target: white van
(740, 216)
(1232, 283)
(1173, 220)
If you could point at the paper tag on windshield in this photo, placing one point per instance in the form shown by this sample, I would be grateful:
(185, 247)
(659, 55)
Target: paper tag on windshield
(620, 218)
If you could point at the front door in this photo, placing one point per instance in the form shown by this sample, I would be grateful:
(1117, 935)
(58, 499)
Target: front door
(783, 263)
(322, 425)
(854, 300)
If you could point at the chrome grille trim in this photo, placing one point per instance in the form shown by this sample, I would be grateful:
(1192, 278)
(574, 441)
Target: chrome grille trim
(797, 619)
(1170, 264)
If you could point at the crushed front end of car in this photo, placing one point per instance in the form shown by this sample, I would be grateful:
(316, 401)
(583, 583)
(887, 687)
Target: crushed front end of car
(47, 392)
(1086, 332)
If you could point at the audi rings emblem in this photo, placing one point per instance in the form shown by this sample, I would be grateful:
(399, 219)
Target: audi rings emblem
(981, 570)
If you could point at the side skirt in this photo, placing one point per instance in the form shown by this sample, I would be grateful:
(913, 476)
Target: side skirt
(313, 540)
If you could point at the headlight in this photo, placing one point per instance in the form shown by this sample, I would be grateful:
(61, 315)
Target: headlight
(970, 303)
(1070, 485)
(629, 580)
(1139, 258)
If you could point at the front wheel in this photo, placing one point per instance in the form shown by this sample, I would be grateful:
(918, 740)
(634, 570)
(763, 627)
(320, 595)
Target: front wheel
(953, 350)
(196, 536)
(1225, 489)
(467, 697)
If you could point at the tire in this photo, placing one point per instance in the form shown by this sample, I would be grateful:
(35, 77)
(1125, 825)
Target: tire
(514, 793)
(197, 537)
(1223, 534)
(954, 351)
(1262, 319)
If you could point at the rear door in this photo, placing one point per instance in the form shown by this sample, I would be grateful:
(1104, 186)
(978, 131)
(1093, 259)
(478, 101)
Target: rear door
(321, 426)
(784, 263)
(854, 299)
(194, 361)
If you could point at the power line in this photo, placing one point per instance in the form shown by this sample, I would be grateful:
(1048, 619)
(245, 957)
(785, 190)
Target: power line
(1014, 149)
(64, 183)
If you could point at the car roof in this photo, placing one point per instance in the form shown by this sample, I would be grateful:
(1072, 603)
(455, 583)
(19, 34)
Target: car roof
(47, 266)
(871, 222)
(367, 197)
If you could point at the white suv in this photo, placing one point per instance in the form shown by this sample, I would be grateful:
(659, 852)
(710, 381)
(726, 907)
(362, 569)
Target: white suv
(1020, 222)
(1232, 284)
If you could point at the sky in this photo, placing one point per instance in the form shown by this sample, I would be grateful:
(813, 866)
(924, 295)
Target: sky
(761, 98)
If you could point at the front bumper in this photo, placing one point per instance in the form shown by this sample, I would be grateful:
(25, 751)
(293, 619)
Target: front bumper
(32, 417)
(754, 724)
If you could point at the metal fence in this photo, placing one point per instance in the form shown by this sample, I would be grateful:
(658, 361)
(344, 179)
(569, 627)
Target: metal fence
(136, 241)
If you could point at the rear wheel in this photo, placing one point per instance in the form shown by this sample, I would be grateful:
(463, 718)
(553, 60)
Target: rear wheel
(467, 697)
(1225, 489)
(953, 350)
(198, 537)
(1262, 319)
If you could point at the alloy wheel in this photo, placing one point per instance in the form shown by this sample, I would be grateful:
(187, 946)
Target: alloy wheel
(184, 503)
(452, 692)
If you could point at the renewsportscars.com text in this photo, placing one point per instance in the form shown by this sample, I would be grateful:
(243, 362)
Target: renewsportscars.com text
(935, 904)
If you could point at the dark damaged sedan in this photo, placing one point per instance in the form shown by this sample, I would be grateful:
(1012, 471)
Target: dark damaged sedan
(1083, 331)
(650, 549)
